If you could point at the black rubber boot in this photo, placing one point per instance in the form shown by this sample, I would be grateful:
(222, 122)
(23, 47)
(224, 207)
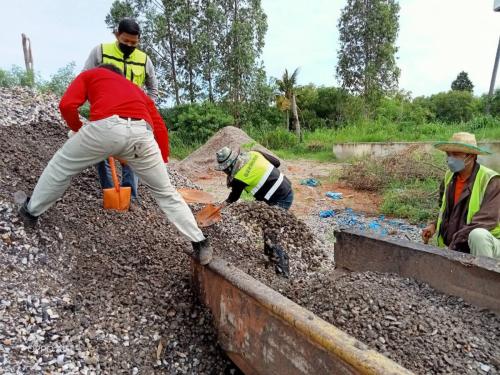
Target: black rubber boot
(28, 219)
(203, 251)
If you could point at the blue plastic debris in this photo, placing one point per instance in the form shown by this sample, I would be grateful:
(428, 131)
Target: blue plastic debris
(334, 195)
(377, 228)
(310, 182)
(326, 213)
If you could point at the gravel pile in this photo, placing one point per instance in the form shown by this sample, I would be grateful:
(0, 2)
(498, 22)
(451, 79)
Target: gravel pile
(202, 161)
(21, 106)
(93, 291)
(408, 321)
(240, 236)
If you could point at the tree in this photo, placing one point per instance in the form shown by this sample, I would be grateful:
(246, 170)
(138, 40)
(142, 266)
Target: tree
(242, 40)
(454, 106)
(60, 81)
(462, 83)
(366, 58)
(288, 100)
(201, 48)
(119, 10)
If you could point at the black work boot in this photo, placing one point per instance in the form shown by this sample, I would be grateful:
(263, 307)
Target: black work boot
(202, 251)
(28, 219)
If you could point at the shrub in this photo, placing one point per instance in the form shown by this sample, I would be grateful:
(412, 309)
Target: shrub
(195, 123)
(454, 106)
(278, 139)
(416, 200)
(60, 81)
(17, 76)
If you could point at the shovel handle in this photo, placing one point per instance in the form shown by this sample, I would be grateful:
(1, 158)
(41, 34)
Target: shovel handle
(112, 166)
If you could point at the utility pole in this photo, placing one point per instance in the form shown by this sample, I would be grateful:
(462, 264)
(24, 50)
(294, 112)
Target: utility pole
(496, 8)
(28, 57)
(495, 68)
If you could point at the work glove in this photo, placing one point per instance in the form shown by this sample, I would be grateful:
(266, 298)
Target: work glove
(278, 257)
(71, 133)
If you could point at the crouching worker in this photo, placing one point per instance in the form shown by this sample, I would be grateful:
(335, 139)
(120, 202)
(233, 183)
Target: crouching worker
(469, 217)
(257, 173)
(124, 123)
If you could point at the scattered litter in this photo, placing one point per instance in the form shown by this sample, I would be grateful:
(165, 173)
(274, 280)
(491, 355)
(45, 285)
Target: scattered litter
(334, 195)
(349, 219)
(310, 182)
(326, 213)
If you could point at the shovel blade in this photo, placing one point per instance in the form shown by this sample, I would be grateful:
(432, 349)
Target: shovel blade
(209, 215)
(196, 196)
(114, 199)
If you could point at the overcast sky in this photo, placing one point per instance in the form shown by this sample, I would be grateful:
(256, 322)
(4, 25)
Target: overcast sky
(437, 39)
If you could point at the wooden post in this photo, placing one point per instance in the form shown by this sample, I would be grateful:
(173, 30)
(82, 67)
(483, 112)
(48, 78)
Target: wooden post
(28, 57)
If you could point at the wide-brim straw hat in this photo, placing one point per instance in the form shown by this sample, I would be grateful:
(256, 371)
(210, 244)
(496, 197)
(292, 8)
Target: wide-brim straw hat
(462, 142)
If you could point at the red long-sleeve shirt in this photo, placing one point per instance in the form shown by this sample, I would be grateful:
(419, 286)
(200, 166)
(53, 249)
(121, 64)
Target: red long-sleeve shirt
(111, 94)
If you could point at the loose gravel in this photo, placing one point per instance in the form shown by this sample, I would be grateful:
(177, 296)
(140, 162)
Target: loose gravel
(91, 291)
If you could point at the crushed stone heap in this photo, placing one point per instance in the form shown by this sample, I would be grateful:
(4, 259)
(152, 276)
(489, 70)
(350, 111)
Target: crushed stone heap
(202, 160)
(98, 291)
(22, 106)
(91, 291)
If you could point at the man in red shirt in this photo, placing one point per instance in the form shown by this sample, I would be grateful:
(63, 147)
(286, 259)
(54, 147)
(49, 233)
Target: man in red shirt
(124, 123)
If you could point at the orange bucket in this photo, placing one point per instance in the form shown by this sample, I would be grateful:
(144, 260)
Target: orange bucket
(208, 215)
(117, 197)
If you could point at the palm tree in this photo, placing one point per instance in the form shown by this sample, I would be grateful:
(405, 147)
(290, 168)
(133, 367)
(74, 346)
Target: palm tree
(287, 100)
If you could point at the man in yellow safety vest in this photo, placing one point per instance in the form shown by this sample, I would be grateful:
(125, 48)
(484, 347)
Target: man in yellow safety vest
(469, 215)
(137, 68)
(257, 173)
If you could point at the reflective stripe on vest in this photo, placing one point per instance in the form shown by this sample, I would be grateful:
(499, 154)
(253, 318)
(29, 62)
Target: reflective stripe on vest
(274, 187)
(483, 177)
(134, 67)
(255, 172)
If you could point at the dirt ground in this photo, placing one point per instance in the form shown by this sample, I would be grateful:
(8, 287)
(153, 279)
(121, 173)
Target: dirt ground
(307, 200)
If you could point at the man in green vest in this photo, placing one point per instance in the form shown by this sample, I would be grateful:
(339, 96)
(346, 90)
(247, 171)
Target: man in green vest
(137, 68)
(124, 54)
(257, 173)
(469, 215)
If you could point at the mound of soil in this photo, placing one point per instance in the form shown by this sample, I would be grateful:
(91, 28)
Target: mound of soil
(202, 161)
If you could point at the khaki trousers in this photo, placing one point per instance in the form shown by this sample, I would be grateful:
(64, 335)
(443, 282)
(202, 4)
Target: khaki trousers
(482, 242)
(126, 139)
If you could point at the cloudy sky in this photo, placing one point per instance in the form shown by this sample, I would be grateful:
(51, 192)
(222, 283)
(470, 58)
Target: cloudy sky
(437, 39)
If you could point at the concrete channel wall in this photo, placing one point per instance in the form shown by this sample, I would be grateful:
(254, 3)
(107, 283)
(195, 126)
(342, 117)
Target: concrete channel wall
(346, 151)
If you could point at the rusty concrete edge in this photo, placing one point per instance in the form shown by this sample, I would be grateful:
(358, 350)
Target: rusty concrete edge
(465, 259)
(315, 329)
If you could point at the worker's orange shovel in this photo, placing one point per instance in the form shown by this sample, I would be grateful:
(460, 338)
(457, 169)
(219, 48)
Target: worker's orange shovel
(208, 215)
(196, 196)
(117, 197)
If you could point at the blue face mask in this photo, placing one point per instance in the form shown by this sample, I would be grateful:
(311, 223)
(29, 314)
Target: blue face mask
(455, 164)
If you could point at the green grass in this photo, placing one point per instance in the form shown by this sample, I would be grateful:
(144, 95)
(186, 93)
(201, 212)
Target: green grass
(483, 128)
(180, 148)
(415, 201)
(302, 153)
(317, 145)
